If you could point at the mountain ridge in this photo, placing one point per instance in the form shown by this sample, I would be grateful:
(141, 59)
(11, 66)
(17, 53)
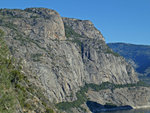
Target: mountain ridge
(65, 58)
(134, 52)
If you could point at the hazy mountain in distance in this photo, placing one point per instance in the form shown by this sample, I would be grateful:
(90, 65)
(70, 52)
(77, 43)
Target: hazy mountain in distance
(138, 55)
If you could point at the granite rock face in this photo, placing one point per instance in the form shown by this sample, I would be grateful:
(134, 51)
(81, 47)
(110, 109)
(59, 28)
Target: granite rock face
(37, 23)
(137, 55)
(137, 97)
(60, 65)
(83, 27)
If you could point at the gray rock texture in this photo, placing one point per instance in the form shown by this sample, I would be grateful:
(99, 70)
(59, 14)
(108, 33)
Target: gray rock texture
(137, 97)
(36, 23)
(83, 27)
(137, 55)
(60, 66)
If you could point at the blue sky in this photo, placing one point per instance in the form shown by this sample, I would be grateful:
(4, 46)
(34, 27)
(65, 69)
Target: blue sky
(118, 20)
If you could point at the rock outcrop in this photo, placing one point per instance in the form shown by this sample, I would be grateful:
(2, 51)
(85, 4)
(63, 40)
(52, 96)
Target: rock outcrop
(137, 55)
(36, 23)
(61, 59)
(137, 97)
(83, 27)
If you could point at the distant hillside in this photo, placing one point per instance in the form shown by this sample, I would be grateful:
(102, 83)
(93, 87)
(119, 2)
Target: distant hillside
(138, 54)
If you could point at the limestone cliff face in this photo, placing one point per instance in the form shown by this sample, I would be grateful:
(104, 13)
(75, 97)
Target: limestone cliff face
(60, 65)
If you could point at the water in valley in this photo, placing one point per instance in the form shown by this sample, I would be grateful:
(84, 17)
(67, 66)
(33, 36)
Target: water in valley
(131, 111)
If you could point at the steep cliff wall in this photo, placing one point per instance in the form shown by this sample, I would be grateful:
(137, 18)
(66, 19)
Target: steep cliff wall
(60, 55)
(61, 66)
(100, 62)
(137, 55)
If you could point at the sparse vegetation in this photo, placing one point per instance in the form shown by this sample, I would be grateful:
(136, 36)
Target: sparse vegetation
(36, 57)
(81, 96)
(109, 51)
(19, 36)
(72, 36)
(110, 105)
(48, 110)
(15, 89)
(69, 32)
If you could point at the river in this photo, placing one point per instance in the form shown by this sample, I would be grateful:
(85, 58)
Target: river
(131, 111)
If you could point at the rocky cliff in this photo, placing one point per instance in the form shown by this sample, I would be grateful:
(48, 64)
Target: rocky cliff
(135, 97)
(61, 55)
(137, 55)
